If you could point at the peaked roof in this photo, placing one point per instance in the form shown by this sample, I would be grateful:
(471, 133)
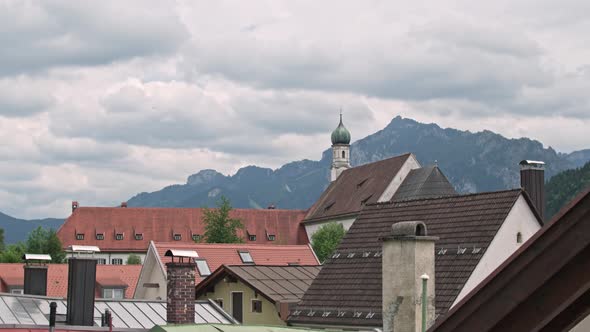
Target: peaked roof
(160, 224)
(12, 274)
(32, 311)
(352, 283)
(276, 283)
(425, 182)
(550, 268)
(355, 188)
(220, 254)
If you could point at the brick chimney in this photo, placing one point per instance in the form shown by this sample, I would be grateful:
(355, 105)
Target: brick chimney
(181, 292)
(532, 180)
(74, 205)
(408, 261)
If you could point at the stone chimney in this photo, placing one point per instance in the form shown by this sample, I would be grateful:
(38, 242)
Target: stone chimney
(408, 255)
(180, 307)
(532, 180)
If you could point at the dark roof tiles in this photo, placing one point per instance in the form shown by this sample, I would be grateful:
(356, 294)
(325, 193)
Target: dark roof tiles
(465, 224)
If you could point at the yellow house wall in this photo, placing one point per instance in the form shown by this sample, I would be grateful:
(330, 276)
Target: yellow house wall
(223, 290)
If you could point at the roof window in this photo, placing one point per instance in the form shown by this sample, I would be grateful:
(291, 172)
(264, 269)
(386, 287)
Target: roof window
(119, 236)
(271, 237)
(79, 236)
(203, 267)
(139, 236)
(246, 257)
(196, 237)
(177, 237)
(251, 237)
(100, 236)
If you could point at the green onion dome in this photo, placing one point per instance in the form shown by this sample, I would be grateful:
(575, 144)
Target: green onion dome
(340, 135)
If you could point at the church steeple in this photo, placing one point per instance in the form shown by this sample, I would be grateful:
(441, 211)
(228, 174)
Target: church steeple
(340, 150)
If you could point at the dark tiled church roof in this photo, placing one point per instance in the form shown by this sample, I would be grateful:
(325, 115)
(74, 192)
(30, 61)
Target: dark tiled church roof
(348, 289)
(355, 188)
(425, 182)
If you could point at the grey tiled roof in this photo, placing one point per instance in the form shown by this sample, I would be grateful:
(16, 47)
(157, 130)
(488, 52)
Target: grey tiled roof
(135, 314)
(425, 182)
(348, 289)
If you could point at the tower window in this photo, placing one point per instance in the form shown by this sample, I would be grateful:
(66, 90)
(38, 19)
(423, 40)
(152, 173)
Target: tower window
(519, 237)
(343, 154)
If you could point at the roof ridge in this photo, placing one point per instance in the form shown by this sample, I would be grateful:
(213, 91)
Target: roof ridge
(446, 197)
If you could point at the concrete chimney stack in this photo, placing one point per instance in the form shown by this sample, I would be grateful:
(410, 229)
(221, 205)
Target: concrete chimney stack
(36, 274)
(408, 262)
(532, 180)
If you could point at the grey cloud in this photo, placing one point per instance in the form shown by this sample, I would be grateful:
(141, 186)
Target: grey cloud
(39, 35)
(22, 97)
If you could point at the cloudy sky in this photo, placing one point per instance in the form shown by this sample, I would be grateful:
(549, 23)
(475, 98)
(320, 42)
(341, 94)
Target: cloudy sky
(101, 100)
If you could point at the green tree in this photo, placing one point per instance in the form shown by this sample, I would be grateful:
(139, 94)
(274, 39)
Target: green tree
(219, 226)
(133, 259)
(43, 241)
(13, 253)
(326, 239)
(1, 239)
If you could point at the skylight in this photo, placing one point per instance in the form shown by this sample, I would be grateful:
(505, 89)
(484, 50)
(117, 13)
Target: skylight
(203, 267)
(246, 257)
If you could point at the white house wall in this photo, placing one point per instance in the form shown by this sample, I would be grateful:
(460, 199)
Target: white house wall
(520, 219)
(152, 272)
(410, 164)
(109, 256)
(312, 228)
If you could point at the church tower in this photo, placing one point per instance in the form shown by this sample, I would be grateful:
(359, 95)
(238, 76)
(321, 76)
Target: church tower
(340, 150)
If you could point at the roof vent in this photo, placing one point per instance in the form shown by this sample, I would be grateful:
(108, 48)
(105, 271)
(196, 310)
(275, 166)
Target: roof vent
(409, 228)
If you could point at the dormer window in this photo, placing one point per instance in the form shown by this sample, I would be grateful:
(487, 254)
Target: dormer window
(79, 236)
(251, 237)
(139, 236)
(100, 236)
(246, 257)
(196, 237)
(177, 237)
(119, 236)
(271, 237)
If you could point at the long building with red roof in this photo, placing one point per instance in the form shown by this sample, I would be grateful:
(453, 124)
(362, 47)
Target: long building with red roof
(121, 231)
(152, 281)
(111, 281)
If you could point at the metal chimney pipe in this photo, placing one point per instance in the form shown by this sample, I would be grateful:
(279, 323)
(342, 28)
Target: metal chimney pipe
(52, 314)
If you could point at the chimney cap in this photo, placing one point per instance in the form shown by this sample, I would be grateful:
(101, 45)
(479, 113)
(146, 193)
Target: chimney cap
(84, 249)
(36, 257)
(424, 277)
(408, 228)
(181, 253)
(123, 204)
(528, 164)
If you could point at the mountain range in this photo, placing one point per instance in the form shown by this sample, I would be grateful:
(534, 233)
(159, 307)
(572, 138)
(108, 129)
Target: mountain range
(473, 162)
(18, 229)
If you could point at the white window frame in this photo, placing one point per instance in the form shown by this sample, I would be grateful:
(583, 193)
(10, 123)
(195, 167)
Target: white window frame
(116, 259)
(113, 293)
(19, 291)
(203, 267)
(246, 257)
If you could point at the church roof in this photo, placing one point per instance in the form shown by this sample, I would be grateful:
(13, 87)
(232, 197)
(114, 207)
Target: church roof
(355, 188)
(349, 286)
(425, 182)
(340, 135)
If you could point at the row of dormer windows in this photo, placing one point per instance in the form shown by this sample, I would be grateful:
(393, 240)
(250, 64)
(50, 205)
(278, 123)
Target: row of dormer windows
(175, 237)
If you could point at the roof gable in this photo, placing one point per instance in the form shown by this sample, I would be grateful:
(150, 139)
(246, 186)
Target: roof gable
(277, 283)
(356, 187)
(351, 282)
(162, 224)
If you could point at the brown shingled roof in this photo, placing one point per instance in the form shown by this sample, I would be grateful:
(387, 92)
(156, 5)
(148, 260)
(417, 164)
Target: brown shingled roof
(356, 187)
(350, 282)
(276, 283)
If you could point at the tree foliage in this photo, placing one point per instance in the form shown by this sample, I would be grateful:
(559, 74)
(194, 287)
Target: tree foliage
(564, 186)
(133, 259)
(326, 239)
(40, 241)
(219, 226)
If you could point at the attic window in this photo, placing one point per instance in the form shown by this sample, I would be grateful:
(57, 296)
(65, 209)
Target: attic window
(119, 236)
(246, 257)
(366, 199)
(251, 237)
(100, 236)
(79, 236)
(203, 267)
(177, 237)
(329, 206)
(139, 236)
(519, 237)
(271, 237)
(196, 237)
(360, 184)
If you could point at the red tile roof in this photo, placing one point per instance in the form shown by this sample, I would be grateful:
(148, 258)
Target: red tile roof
(159, 224)
(57, 277)
(220, 254)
